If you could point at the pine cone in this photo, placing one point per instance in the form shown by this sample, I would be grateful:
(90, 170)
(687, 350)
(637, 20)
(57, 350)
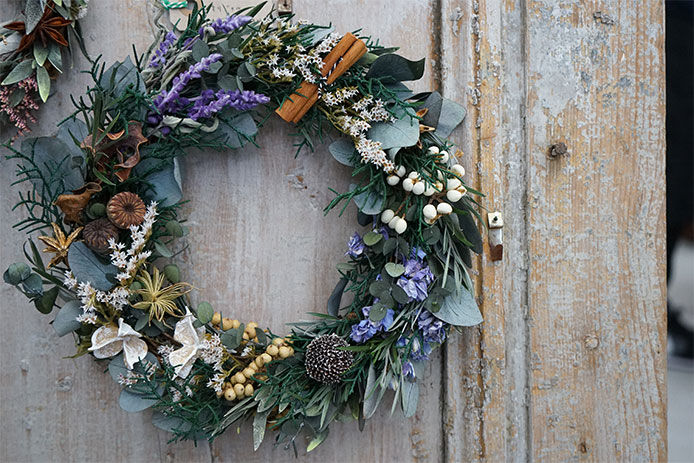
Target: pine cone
(97, 233)
(324, 361)
(126, 209)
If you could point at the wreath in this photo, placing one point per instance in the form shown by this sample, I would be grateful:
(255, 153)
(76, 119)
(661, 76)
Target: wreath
(108, 186)
(31, 55)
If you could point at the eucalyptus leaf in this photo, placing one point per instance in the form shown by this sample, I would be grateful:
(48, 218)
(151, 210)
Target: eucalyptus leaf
(372, 238)
(238, 129)
(52, 159)
(73, 131)
(259, 425)
(170, 423)
(227, 82)
(395, 68)
(16, 273)
(394, 270)
(133, 403)
(121, 75)
(45, 303)
(460, 309)
(166, 190)
(471, 232)
(44, 83)
(452, 114)
(343, 151)
(200, 50)
(410, 397)
(33, 10)
(372, 394)
(33, 286)
(370, 202)
(40, 53)
(20, 72)
(205, 312)
(86, 266)
(336, 297)
(403, 132)
(162, 249)
(400, 295)
(377, 312)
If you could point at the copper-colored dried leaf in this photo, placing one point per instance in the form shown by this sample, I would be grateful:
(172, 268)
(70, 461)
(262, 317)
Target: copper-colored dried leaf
(116, 148)
(73, 204)
(422, 112)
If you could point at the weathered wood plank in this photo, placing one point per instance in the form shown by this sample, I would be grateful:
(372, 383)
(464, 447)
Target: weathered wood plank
(596, 221)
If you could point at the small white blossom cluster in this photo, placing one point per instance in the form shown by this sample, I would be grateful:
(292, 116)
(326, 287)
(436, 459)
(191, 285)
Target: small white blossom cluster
(89, 296)
(216, 383)
(129, 261)
(131, 378)
(212, 351)
(176, 395)
(164, 350)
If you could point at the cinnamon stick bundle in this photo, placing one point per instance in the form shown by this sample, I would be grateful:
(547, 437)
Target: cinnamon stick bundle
(347, 52)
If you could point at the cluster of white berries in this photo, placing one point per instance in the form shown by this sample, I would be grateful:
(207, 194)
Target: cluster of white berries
(448, 184)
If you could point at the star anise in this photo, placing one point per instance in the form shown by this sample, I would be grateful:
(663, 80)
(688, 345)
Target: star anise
(48, 29)
(58, 244)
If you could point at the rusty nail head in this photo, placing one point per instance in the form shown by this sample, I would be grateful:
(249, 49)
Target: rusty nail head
(284, 6)
(557, 149)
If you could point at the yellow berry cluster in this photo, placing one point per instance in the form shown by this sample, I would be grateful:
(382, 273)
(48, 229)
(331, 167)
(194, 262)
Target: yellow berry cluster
(239, 384)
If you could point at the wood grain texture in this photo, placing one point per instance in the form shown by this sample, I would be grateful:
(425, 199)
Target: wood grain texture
(596, 229)
(569, 363)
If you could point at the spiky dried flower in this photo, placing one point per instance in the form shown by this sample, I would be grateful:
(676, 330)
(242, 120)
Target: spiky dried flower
(158, 300)
(325, 361)
(58, 244)
(126, 209)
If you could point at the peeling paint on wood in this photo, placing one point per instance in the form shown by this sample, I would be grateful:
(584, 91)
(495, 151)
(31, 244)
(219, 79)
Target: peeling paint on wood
(569, 363)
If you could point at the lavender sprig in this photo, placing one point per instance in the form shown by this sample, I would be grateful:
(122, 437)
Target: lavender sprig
(210, 103)
(226, 25)
(159, 57)
(168, 101)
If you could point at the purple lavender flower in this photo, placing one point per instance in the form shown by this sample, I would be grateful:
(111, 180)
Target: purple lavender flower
(383, 231)
(226, 25)
(416, 279)
(366, 329)
(159, 57)
(408, 371)
(355, 246)
(210, 103)
(170, 102)
(432, 329)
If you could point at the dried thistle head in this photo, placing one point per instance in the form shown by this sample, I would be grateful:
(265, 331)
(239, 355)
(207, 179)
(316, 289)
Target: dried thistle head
(157, 299)
(126, 209)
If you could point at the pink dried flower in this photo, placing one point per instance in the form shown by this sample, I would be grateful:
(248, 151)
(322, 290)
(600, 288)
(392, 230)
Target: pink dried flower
(20, 114)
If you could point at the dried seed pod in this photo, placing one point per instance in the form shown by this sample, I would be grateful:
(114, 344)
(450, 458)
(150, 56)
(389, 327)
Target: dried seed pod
(97, 233)
(126, 209)
(324, 361)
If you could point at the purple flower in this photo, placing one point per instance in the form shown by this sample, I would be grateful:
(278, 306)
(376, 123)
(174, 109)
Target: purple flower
(171, 101)
(408, 371)
(383, 231)
(159, 57)
(226, 25)
(419, 351)
(432, 329)
(355, 246)
(210, 103)
(416, 279)
(362, 331)
(367, 329)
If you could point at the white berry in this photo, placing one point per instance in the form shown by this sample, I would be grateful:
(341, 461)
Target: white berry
(393, 180)
(401, 226)
(430, 190)
(458, 169)
(453, 183)
(454, 195)
(429, 211)
(413, 175)
(387, 215)
(407, 184)
(400, 171)
(393, 222)
(434, 149)
(444, 156)
(444, 208)
(418, 188)
(430, 221)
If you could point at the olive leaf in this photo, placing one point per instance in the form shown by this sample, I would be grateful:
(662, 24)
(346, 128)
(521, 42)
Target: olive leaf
(20, 72)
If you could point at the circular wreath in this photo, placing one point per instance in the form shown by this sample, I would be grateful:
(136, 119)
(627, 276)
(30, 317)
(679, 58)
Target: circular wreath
(108, 186)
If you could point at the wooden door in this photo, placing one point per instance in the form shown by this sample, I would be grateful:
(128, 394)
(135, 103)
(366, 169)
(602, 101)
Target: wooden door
(570, 361)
